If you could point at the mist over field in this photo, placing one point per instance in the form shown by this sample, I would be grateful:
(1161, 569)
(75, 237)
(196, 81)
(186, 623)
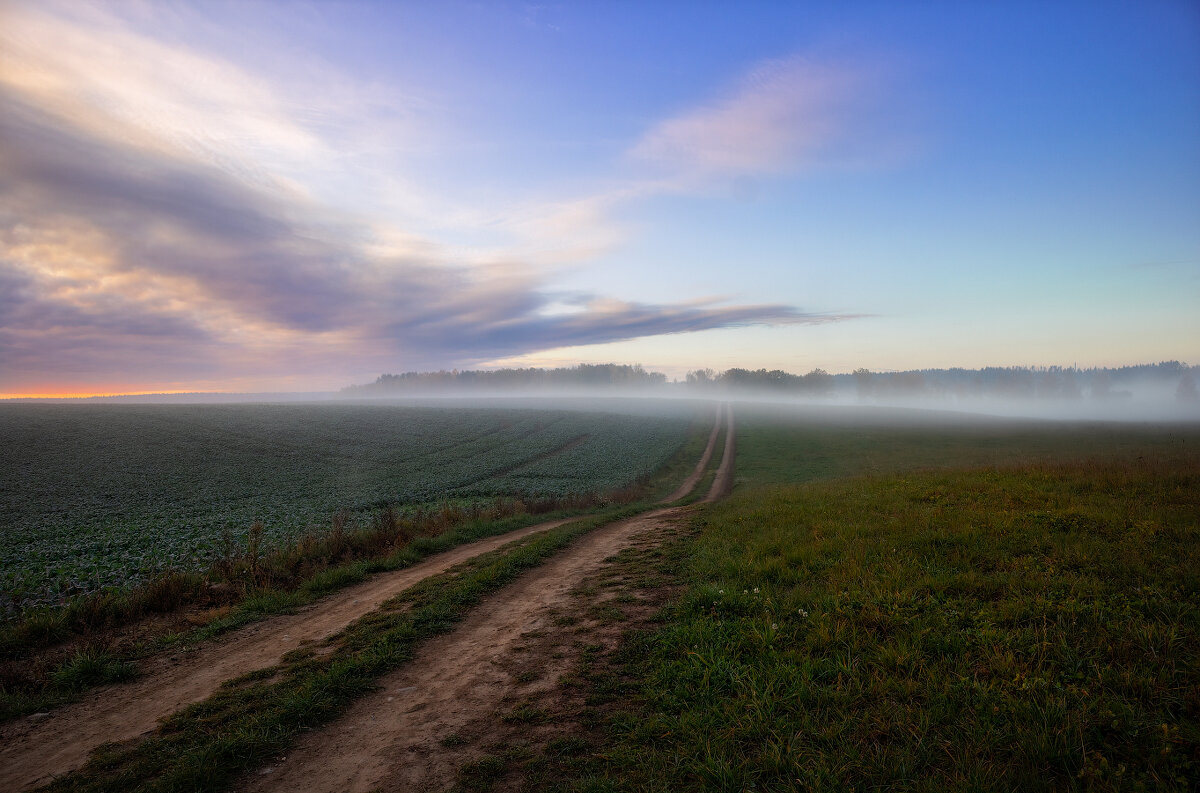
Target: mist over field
(1148, 402)
(1159, 392)
(1164, 392)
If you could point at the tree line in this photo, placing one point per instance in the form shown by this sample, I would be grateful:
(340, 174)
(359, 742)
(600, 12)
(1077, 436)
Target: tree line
(1019, 382)
(583, 376)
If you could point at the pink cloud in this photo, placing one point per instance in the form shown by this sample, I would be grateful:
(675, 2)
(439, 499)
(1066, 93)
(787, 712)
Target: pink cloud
(785, 114)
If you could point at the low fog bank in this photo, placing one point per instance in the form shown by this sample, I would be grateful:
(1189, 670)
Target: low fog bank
(1149, 405)
(1163, 392)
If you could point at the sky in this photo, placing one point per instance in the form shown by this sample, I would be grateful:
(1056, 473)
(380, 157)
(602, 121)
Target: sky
(271, 196)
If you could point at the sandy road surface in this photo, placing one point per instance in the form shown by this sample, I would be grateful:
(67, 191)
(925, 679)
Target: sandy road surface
(391, 740)
(35, 751)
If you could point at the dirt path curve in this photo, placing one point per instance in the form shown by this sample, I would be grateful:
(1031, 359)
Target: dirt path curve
(34, 751)
(392, 739)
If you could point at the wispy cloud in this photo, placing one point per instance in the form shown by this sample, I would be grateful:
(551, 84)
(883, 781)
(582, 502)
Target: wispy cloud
(782, 118)
(784, 115)
(159, 222)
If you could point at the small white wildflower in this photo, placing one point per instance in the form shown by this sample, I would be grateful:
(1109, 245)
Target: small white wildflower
(720, 591)
(802, 612)
(747, 592)
(774, 626)
(756, 590)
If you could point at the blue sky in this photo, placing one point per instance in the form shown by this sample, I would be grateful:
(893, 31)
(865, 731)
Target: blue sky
(297, 196)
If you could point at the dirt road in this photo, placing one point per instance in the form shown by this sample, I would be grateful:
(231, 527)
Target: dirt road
(35, 750)
(394, 739)
(723, 483)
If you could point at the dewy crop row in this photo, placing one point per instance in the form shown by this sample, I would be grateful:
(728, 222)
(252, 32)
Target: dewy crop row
(94, 496)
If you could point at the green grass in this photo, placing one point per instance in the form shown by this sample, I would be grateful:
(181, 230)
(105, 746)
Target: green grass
(526, 714)
(1025, 626)
(482, 774)
(91, 667)
(786, 445)
(85, 669)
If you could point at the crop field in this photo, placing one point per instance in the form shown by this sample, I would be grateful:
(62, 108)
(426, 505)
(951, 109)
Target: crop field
(93, 496)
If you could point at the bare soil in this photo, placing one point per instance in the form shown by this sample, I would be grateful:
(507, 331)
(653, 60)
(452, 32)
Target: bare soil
(548, 733)
(406, 735)
(36, 749)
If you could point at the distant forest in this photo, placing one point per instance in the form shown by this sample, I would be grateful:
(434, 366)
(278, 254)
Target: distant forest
(583, 376)
(1013, 382)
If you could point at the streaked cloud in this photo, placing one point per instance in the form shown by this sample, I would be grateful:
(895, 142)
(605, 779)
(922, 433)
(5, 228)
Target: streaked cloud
(160, 223)
(518, 328)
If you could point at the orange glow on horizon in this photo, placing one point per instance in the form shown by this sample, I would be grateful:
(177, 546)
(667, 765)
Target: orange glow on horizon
(98, 394)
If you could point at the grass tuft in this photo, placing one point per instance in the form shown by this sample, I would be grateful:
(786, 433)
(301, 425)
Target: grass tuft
(91, 667)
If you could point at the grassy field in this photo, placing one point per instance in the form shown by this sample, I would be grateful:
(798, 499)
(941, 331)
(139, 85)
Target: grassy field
(96, 496)
(790, 444)
(925, 607)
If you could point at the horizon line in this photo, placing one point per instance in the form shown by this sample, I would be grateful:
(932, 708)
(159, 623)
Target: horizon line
(13, 397)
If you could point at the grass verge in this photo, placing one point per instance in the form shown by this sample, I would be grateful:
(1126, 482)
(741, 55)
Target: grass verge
(1027, 628)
